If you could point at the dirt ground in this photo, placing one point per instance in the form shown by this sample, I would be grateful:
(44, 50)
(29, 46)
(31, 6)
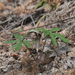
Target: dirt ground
(20, 16)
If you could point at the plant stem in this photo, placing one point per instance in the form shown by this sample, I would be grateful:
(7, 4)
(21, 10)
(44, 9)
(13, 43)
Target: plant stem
(44, 43)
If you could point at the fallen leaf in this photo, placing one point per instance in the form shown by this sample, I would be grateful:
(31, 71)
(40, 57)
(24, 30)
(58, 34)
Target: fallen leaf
(2, 6)
(15, 55)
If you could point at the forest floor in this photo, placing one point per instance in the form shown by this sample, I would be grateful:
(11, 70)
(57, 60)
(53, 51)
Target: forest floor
(20, 16)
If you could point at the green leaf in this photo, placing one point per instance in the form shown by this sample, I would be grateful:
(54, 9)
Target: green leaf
(15, 45)
(17, 36)
(61, 37)
(19, 45)
(46, 33)
(54, 29)
(12, 41)
(41, 29)
(24, 36)
(26, 43)
(54, 6)
(45, 4)
(39, 4)
(53, 39)
(34, 31)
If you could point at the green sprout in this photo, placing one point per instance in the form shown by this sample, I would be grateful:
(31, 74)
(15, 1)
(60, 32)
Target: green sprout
(41, 3)
(19, 41)
(52, 35)
(53, 6)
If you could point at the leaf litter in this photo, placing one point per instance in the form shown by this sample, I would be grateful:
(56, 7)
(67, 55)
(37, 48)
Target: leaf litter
(51, 60)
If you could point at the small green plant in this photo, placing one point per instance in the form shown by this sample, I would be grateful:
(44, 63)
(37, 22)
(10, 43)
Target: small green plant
(44, 4)
(41, 3)
(53, 6)
(52, 35)
(19, 41)
(46, 33)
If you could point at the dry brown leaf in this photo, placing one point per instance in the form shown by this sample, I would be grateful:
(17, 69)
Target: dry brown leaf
(28, 2)
(28, 65)
(22, 8)
(27, 27)
(2, 6)
(72, 53)
(15, 55)
(10, 0)
(19, 9)
(70, 72)
(58, 74)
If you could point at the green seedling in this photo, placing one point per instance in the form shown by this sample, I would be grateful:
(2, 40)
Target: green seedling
(44, 4)
(53, 6)
(41, 3)
(53, 35)
(19, 41)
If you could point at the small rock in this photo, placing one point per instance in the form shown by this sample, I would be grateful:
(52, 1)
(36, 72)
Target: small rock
(4, 68)
(46, 49)
(11, 60)
(54, 70)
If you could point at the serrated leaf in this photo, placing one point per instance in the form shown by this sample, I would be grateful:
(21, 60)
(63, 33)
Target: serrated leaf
(17, 36)
(54, 29)
(18, 46)
(12, 41)
(41, 29)
(39, 4)
(53, 39)
(15, 45)
(26, 43)
(61, 37)
(24, 36)
(46, 33)
(34, 31)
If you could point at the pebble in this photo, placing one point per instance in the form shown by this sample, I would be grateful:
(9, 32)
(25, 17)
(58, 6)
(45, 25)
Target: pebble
(53, 70)
(4, 68)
